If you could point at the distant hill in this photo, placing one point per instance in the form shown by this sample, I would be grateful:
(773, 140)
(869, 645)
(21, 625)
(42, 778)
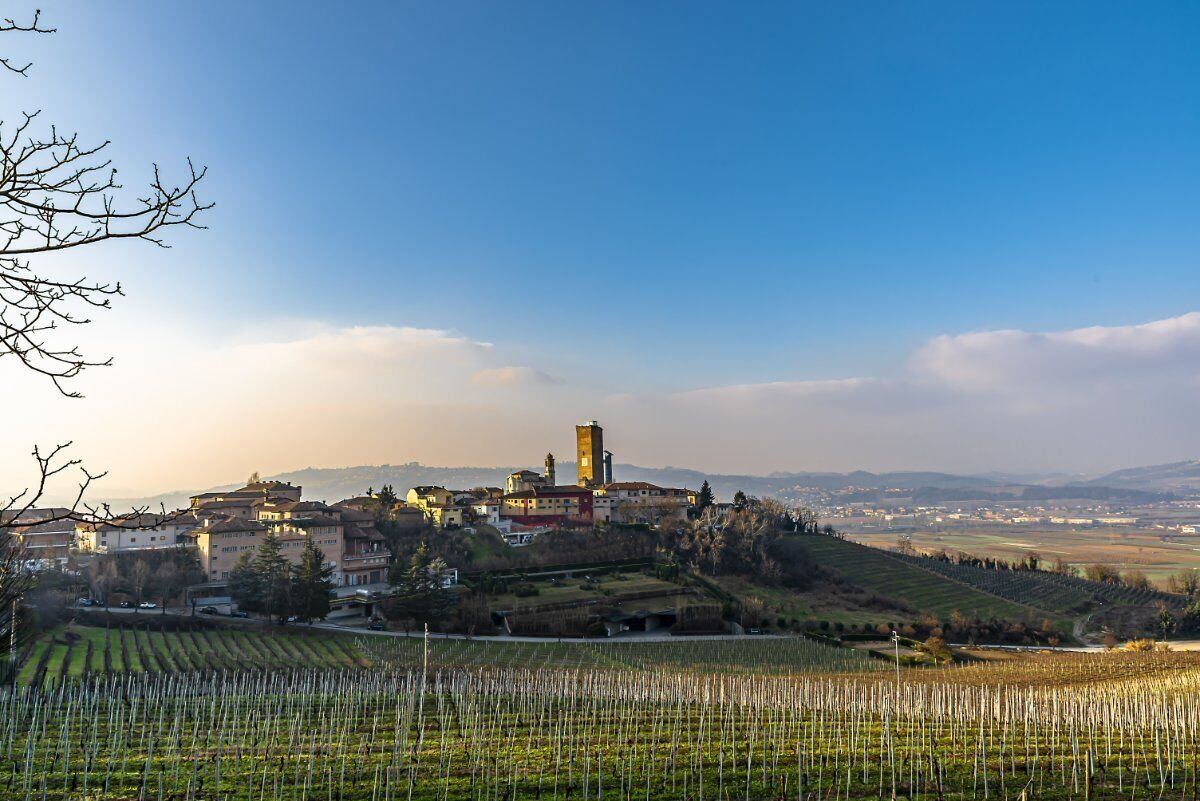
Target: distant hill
(1180, 477)
(1132, 485)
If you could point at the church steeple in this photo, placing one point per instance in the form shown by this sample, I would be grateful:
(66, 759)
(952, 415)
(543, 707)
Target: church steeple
(550, 469)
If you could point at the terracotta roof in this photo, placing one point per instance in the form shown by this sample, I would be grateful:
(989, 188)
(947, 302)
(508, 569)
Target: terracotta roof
(630, 485)
(234, 524)
(548, 492)
(306, 522)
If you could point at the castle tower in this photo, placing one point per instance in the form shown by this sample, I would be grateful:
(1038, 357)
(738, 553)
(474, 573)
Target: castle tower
(589, 454)
(550, 469)
(608, 479)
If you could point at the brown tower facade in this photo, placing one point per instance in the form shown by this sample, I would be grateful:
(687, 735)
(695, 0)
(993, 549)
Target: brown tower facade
(589, 454)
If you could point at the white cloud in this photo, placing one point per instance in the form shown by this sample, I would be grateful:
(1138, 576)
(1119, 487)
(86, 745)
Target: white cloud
(513, 377)
(1004, 361)
(1088, 398)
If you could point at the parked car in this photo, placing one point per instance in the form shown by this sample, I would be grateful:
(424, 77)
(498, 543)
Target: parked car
(85, 601)
(377, 625)
(147, 605)
(126, 605)
(239, 613)
(292, 619)
(209, 610)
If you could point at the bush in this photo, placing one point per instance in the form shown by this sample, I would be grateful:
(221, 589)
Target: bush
(525, 589)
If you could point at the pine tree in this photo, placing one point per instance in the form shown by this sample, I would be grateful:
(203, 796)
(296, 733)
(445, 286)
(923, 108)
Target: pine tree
(244, 585)
(705, 499)
(274, 577)
(420, 596)
(312, 583)
(740, 501)
(387, 497)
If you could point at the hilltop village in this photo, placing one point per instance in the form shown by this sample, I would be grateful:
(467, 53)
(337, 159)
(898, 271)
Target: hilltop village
(223, 525)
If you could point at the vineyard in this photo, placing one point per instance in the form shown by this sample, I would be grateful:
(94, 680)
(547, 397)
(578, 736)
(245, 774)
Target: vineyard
(1045, 590)
(790, 655)
(886, 573)
(74, 652)
(1118, 726)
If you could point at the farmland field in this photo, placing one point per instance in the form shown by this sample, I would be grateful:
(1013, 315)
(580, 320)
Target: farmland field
(1096, 726)
(921, 589)
(75, 651)
(1121, 548)
(789, 655)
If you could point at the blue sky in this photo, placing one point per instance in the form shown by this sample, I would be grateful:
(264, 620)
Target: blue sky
(640, 198)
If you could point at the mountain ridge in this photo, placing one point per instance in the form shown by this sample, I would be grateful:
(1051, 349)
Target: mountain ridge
(335, 483)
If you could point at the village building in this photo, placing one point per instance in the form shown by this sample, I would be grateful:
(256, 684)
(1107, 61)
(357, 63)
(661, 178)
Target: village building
(45, 536)
(438, 505)
(563, 505)
(137, 533)
(641, 502)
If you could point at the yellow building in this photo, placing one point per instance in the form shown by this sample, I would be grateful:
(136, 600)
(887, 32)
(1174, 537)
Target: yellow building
(438, 505)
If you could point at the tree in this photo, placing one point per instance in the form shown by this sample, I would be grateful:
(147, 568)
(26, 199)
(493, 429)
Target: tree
(101, 574)
(168, 580)
(1185, 582)
(274, 577)
(420, 596)
(740, 501)
(255, 478)
(245, 585)
(139, 574)
(58, 194)
(312, 583)
(387, 497)
(937, 648)
(705, 498)
(1135, 579)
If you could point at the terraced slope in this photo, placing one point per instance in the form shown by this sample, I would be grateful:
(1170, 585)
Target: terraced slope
(1041, 589)
(922, 589)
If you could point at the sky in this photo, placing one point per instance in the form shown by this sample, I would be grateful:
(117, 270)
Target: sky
(785, 236)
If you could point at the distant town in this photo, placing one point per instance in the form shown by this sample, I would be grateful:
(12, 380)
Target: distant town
(221, 526)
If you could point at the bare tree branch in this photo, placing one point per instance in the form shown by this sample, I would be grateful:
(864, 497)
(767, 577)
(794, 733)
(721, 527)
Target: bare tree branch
(59, 194)
(9, 25)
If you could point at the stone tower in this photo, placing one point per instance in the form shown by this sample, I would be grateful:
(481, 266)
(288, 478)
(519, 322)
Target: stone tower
(550, 469)
(589, 454)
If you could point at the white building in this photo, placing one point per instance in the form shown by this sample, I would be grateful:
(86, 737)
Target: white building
(137, 533)
(487, 511)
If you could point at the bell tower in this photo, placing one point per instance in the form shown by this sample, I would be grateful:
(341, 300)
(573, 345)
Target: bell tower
(549, 469)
